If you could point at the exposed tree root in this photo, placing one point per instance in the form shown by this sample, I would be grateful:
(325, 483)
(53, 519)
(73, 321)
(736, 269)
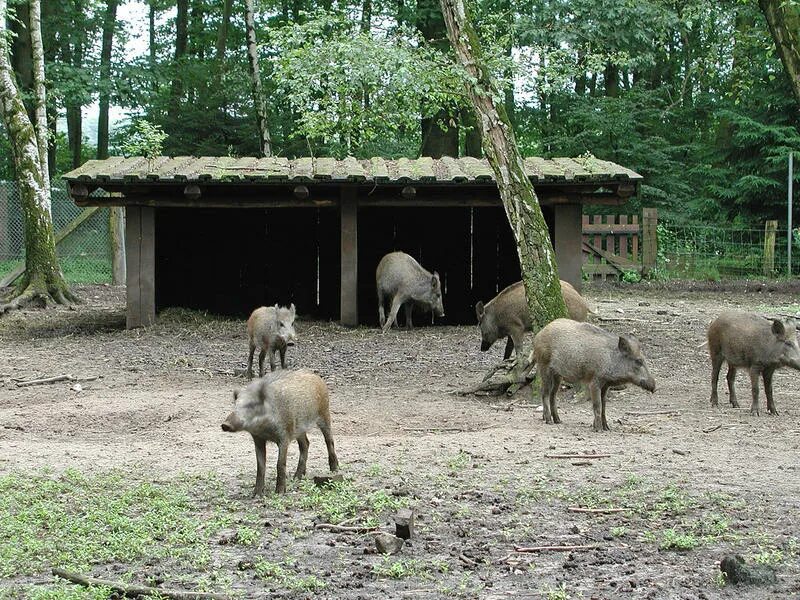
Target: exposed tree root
(516, 374)
(34, 292)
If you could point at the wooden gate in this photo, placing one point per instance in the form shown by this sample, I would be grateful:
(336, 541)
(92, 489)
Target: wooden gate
(612, 244)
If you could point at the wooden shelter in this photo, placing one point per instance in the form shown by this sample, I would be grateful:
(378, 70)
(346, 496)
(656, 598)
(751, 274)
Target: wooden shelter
(228, 234)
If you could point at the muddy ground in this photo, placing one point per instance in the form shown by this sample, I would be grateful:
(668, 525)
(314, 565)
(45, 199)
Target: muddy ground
(474, 469)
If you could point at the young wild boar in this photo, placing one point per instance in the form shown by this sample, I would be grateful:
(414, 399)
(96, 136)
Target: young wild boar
(281, 408)
(761, 345)
(402, 280)
(506, 315)
(584, 353)
(270, 328)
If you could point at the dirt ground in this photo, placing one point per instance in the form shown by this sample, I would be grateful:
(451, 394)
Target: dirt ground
(474, 469)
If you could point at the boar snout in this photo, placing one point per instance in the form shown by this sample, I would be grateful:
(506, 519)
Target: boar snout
(485, 346)
(232, 423)
(648, 384)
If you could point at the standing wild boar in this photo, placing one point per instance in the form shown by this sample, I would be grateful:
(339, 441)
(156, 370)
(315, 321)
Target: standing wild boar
(759, 344)
(281, 408)
(506, 315)
(270, 328)
(402, 280)
(584, 353)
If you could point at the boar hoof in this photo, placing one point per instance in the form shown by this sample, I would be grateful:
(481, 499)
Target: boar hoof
(734, 403)
(755, 412)
(773, 412)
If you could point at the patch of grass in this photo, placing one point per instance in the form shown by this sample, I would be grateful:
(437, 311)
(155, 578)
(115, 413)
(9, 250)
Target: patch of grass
(619, 531)
(559, 593)
(74, 521)
(246, 536)
(720, 579)
(674, 540)
(375, 470)
(673, 501)
(713, 525)
(400, 568)
(62, 591)
(283, 575)
(342, 500)
(459, 462)
(768, 556)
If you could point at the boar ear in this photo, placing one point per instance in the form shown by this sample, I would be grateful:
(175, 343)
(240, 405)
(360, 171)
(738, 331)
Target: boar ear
(480, 310)
(624, 345)
(435, 280)
(235, 395)
(778, 328)
(292, 310)
(262, 391)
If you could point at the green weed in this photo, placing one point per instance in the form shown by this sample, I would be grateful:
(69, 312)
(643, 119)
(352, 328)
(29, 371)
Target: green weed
(674, 540)
(282, 574)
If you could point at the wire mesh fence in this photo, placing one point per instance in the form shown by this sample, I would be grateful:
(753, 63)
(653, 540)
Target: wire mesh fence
(84, 255)
(730, 252)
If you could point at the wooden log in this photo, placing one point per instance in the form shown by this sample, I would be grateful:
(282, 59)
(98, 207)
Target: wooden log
(577, 455)
(132, 590)
(116, 230)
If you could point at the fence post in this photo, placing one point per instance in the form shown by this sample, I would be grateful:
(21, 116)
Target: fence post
(769, 247)
(649, 239)
(116, 234)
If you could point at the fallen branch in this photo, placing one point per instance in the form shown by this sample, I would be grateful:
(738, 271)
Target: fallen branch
(55, 379)
(132, 591)
(467, 560)
(649, 413)
(345, 529)
(44, 380)
(528, 549)
(517, 375)
(577, 455)
(710, 429)
(598, 511)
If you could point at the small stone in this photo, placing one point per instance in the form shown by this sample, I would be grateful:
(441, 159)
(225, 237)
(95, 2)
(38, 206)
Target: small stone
(620, 311)
(386, 543)
(326, 480)
(239, 372)
(662, 312)
(496, 510)
(644, 304)
(77, 387)
(404, 523)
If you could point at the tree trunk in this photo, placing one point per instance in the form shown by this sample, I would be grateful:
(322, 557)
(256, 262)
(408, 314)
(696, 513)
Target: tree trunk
(222, 34)
(439, 132)
(40, 93)
(611, 80)
(181, 41)
(536, 256)
(43, 280)
(105, 78)
(264, 141)
(22, 54)
(783, 19)
(151, 45)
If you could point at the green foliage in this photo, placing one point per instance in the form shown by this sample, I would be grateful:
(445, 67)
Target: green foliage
(343, 500)
(282, 575)
(142, 138)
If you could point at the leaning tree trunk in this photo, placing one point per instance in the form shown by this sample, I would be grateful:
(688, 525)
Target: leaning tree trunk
(42, 280)
(264, 141)
(783, 19)
(536, 256)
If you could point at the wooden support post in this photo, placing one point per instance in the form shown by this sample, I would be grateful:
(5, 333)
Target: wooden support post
(140, 265)
(649, 239)
(349, 275)
(116, 232)
(568, 243)
(770, 228)
(5, 240)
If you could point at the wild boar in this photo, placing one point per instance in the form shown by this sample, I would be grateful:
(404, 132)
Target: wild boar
(270, 328)
(401, 280)
(584, 353)
(281, 408)
(506, 315)
(761, 345)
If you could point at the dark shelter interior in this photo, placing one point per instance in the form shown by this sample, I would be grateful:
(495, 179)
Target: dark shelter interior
(233, 260)
(227, 234)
